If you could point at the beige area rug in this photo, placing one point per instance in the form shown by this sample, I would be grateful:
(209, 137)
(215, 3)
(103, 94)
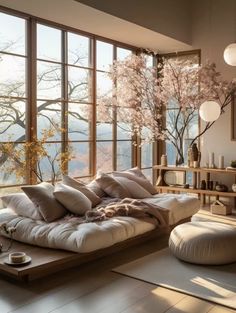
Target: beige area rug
(212, 283)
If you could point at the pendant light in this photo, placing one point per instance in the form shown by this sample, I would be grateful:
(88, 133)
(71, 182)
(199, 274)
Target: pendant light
(209, 111)
(230, 54)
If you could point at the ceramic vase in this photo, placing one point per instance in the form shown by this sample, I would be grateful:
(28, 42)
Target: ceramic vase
(195, 152)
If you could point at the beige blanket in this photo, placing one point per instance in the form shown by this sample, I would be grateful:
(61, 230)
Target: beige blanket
(129, 207)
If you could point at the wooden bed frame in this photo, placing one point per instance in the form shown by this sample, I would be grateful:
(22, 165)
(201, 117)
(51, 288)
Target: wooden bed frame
(46, 261)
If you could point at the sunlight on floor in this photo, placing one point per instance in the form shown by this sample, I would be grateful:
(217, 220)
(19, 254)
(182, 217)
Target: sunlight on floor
(210, 285)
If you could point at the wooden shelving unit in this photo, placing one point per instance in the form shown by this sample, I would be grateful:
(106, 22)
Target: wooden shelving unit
(197, 191)
(196, 170)
(196, 179)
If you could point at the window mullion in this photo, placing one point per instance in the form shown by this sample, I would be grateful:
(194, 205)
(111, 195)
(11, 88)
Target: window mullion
(114, 123)
(64, 93)
(93, 122)
(31, 108)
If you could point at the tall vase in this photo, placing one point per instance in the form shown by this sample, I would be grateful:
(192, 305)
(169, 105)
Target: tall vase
(190, 157)
(195, 152)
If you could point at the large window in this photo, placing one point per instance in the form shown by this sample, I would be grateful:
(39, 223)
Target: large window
(13, 90)
(114, 144)
(52, 78)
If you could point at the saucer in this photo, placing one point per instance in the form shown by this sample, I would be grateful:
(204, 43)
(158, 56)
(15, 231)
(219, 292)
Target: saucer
(26, 261)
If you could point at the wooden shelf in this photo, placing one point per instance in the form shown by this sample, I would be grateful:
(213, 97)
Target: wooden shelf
(192, 169)
(196, 173)
(196, 191)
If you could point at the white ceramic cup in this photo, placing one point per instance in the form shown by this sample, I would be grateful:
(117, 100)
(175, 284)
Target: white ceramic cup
(17, 257)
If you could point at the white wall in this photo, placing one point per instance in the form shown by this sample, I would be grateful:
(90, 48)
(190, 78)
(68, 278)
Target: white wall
(214, 27)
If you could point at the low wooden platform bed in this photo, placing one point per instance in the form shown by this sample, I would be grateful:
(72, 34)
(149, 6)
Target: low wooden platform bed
(57, 235)
(46, 261)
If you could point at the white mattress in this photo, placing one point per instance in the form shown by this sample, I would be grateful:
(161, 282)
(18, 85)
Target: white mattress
(179, 206)
(67, 234)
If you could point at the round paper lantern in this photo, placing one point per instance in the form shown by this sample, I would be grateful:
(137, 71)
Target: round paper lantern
(209, 111)
(230, 54)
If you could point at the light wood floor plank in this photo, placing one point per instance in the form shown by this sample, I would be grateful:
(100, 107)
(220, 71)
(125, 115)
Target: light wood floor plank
(114, 296)
(220, 309)
(158, 300)
(93, 288)
(7, 290)
(191, 304)
(70, 290)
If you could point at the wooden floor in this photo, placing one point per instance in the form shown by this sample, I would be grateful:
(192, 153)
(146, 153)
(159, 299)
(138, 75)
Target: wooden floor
(93, 288)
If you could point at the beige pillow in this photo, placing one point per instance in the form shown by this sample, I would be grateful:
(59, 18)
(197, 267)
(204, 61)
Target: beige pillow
(69, 181)
(42, 196)
(136, 191)
(112, 187)
(136, 171)
(21, 205)
(93, 185)
(74, 200)
(142, 181)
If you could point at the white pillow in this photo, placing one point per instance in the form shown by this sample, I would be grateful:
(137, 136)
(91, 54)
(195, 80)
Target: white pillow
(136, 191)
(21, 205)
(74, 200)
(134, 175)
(111, 187)
(136, 171)
(69, 181)
(42, 196)
(93, 186)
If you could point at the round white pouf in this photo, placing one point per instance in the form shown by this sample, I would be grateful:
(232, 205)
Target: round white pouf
(204, 243)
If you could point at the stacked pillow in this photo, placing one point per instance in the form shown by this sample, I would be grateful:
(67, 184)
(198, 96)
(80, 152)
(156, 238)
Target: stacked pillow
(49, 203)
(43, 198)
(54, 203)
(21, 205)
(131, 183)
(136, 191)
(73, 200)
(112, 187)
(135, 174)
(93, 185)
(69, 181)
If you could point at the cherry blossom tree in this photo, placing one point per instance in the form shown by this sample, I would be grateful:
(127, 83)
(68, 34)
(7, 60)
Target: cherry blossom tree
(142, 96)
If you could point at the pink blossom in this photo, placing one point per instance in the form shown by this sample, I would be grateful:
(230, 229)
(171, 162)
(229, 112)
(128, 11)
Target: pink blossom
(143, 94)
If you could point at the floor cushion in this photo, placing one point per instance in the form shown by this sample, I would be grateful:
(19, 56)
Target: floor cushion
(204, 243)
